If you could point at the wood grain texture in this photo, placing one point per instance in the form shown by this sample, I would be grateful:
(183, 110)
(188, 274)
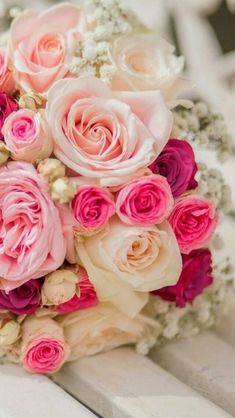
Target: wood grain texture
(122, 384)
(206, 363)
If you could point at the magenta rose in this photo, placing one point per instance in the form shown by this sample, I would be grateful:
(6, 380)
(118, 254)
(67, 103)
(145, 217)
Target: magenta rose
(195, 277)
(177, 163)
(23, 300)
(85, 298)
(193, 220)
(92, 207)
(7, 106)
(145, 201)
(32, 240)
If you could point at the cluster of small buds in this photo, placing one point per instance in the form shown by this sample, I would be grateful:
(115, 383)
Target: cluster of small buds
(212, 185)
(32, 101)
(203, 127)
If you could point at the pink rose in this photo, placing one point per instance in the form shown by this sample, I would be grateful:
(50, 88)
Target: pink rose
(92, 207)
(110, 136)
(31, 235)
(27, 136)
(41, 45)
(145, 201)
(6, 79)
(193, 220)
(7, 106)
(43, 345)
(85, 297)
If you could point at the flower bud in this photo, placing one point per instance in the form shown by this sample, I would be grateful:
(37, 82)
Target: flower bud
(59, 287)
(63, 190)
(9, 332)
(51, 169)
(4, 154)
(31, 101)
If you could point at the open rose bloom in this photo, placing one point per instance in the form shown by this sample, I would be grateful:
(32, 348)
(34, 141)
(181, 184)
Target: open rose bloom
(103, 216)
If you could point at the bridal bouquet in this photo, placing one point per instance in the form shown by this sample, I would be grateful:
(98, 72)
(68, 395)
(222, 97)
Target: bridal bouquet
(106, 217)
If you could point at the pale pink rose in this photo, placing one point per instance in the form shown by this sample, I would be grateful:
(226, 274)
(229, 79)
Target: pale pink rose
(92, 207)
(32, 243)
(43, 349)
(7, 83)
(85, 296)
(193, 220)
(145, 201)
(41, 45)
(98, 329)
(126, 261)
(105, 135)
(27, 135)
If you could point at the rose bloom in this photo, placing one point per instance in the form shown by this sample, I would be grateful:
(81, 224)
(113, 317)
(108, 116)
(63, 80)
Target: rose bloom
(43, 349)
(59, 287)
(106, 135)
(23, 300)
(98, 329)
(92, 207)
(6, 80)
(124, 262)
(195, 277)
(84, 298)
(41, 45)
(147, 62)
(7, 106)
(177, 163)
(145, 201)
(193, 220)
(31, 233)
(27, 136)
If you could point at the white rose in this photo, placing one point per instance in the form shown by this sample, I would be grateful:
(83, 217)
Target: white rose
(59, 287)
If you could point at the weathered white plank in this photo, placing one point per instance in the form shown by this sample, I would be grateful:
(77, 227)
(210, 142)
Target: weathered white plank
(23, 395)
(226, 328)
(122, 384)
(206, 363)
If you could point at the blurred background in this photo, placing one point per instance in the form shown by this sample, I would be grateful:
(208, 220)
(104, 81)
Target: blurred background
(202, 30)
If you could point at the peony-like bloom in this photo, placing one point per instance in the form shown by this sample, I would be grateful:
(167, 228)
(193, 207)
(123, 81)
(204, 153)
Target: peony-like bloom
(41, 45)
(6, 80)
(7, 106)
(27, 136)
(31, 233)
(124, 262)
(147, 62)
(92, 207)
(59, 287)
(85, 296)
(98, 329)
(195, 277)
(109, 136)
(44, 349)
(177, 163)
(145, 201)
(193, 220)
(23, 300)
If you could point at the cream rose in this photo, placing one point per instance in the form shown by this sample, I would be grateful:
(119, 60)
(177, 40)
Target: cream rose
(59, 287)
(9, 331)
(147, 62)
(126, 261)
(98, 329)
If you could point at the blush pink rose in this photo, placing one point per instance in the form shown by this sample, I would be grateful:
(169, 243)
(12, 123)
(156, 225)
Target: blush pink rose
(41, 45)
(44, 349)
(145, 201)
(85, 297)
(6, 79)
(92, 207)
(193, 220)
(109, 136)
(31, 233)
(27, 136)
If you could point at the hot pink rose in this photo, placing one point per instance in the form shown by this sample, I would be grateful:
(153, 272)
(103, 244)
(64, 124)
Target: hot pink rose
(27, 136)
(85, 297)
(145, 201)
(44, 349)
(110, 136)
(7, 106)
(193, 220)
(31, 235)
(92, 207)
(41, 45)
(6, 80)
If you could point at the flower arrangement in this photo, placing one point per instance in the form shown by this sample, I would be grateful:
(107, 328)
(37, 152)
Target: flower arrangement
(106, 223)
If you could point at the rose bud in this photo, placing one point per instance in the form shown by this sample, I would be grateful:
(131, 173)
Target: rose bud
(59, 287)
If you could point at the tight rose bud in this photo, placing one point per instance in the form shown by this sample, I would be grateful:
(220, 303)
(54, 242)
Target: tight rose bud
(59, 287)
(63, 190)
(51, 169)
(4, 154)
(9, 331)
